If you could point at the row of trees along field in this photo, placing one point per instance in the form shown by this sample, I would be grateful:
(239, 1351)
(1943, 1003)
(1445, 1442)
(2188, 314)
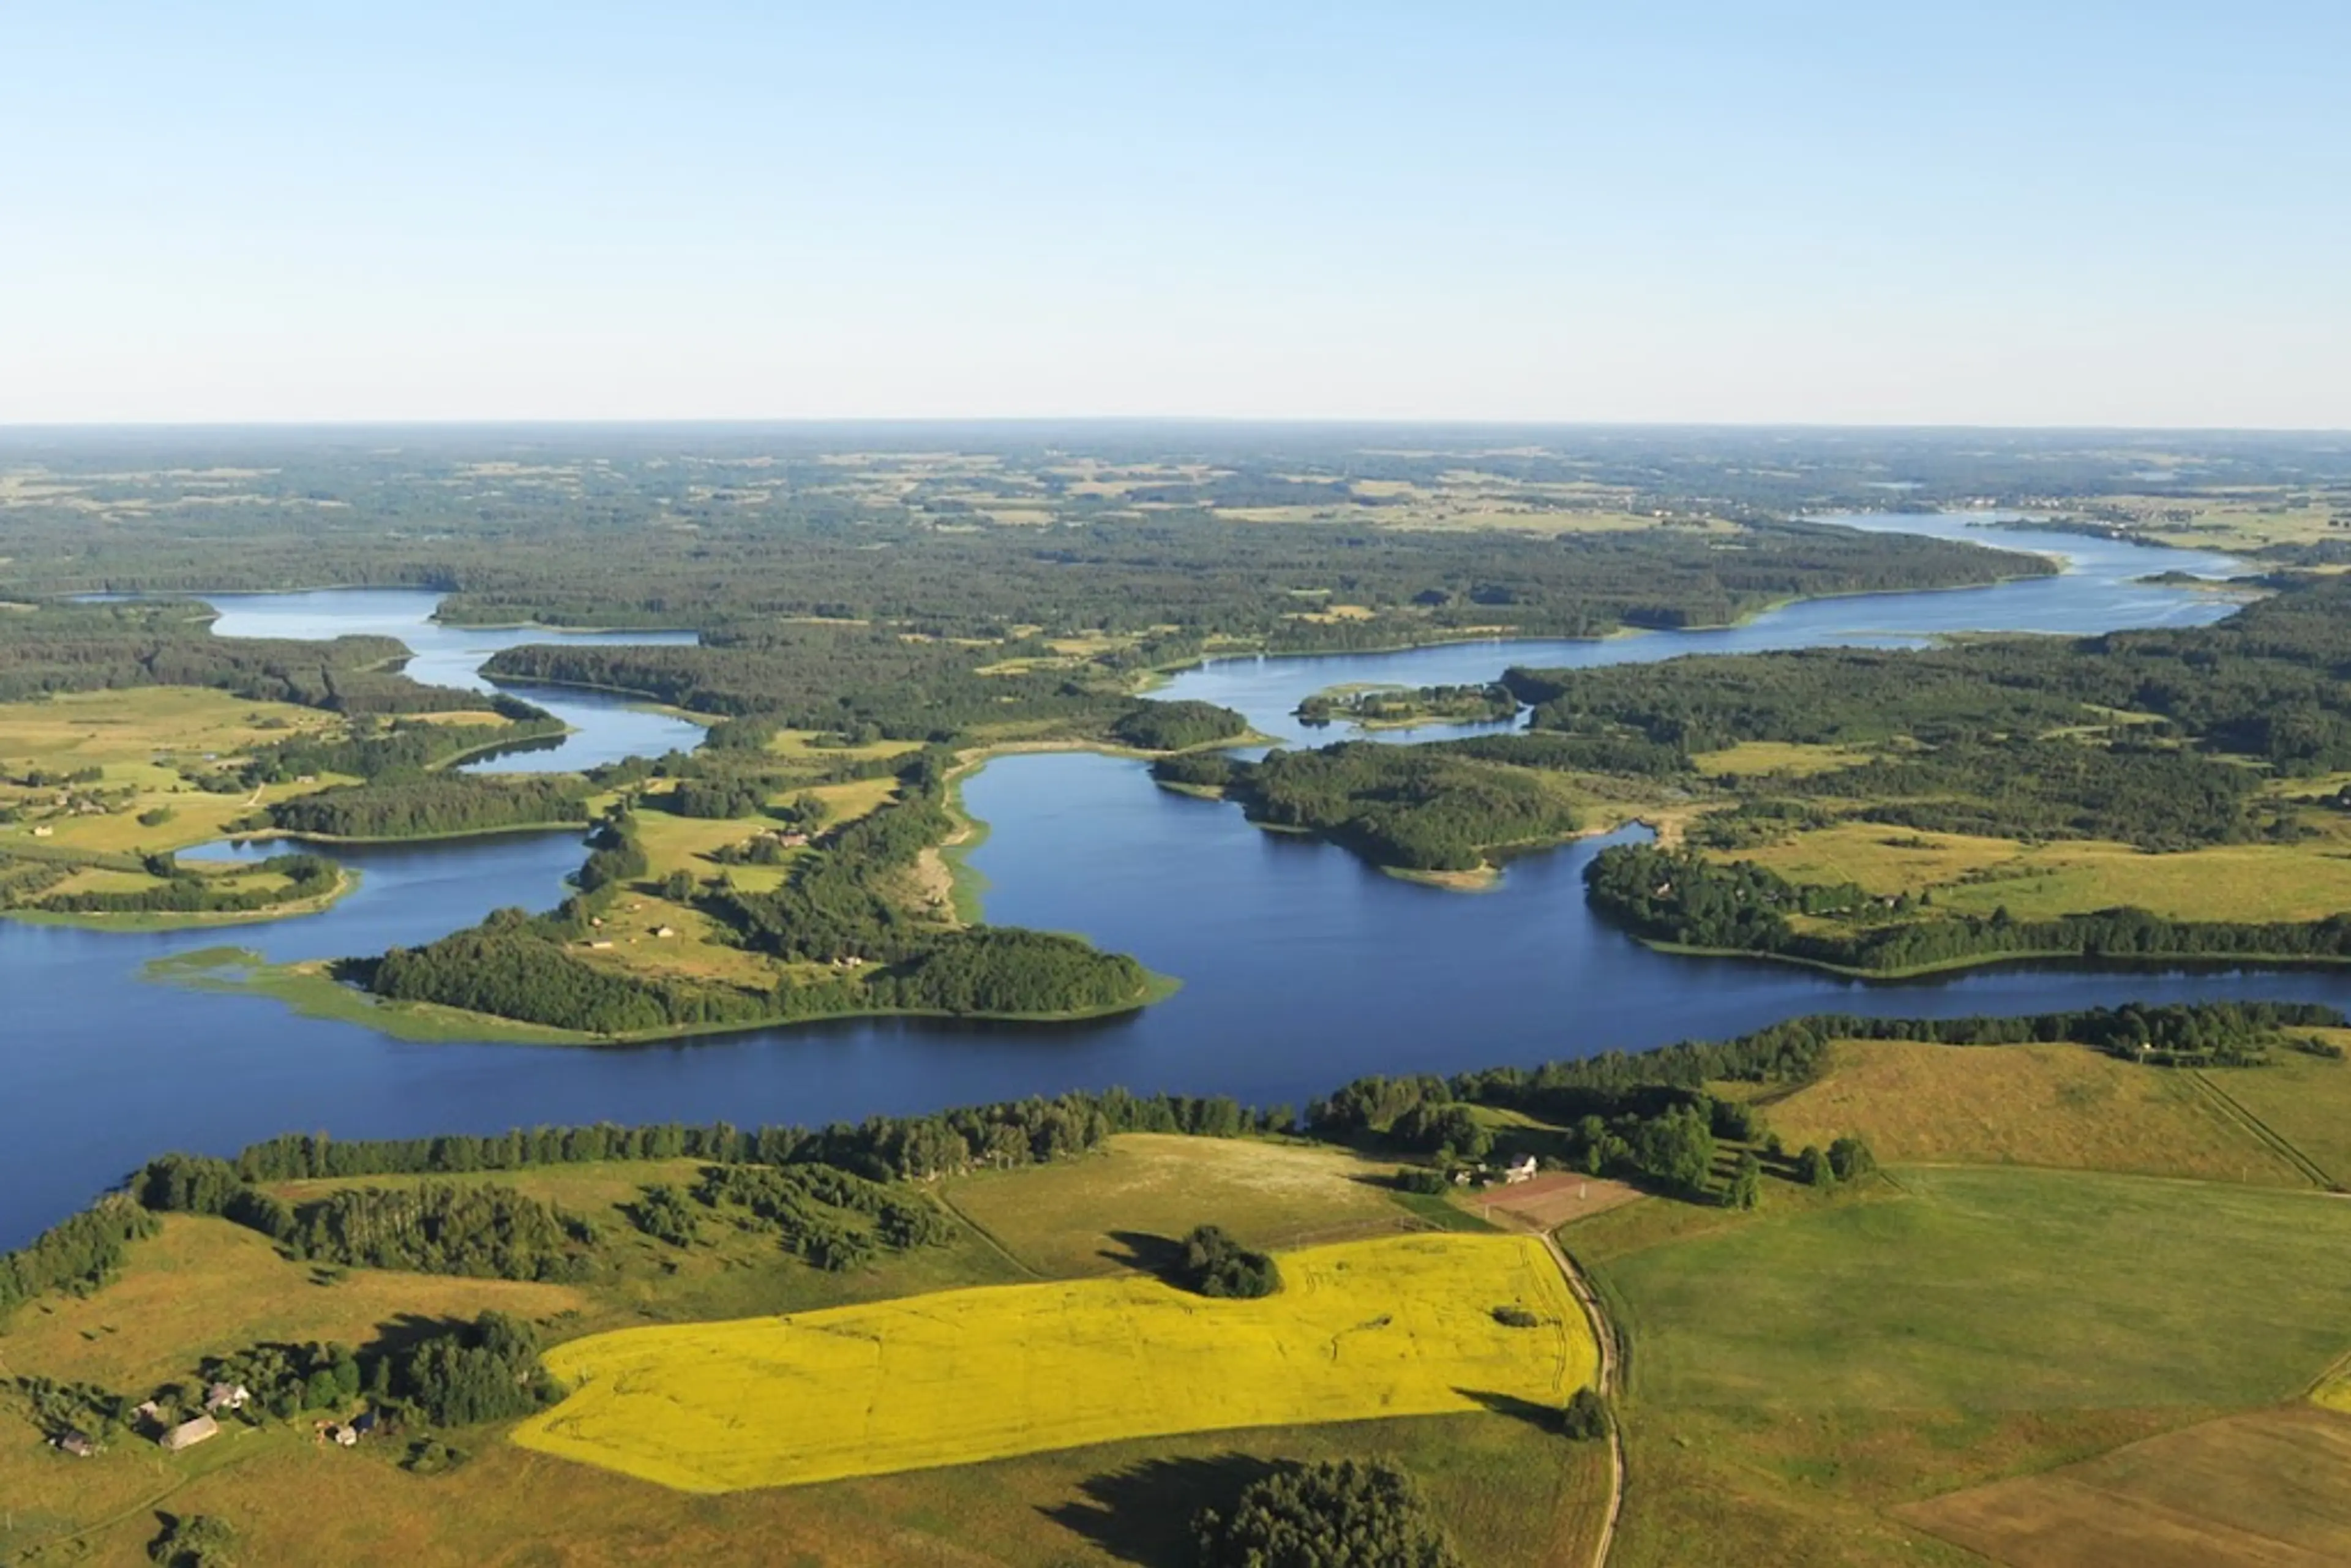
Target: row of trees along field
(1680, 897)
(482, 1231)
(1420, 808)
(87, 1248)
(180, 890)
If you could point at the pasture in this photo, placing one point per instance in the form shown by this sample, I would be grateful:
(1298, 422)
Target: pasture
(2303, 1100)
(1514, 1495)
(1067, 1221)
(204, 1287)
(1984, 1288)
(2062, 1106)
(1394, 1327)
(1971, 875)
(1801, 1376)
(2271, 1487)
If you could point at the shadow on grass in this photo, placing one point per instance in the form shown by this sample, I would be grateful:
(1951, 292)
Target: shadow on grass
(1543, 1417)
(1144, 1515)
(405, 1331)
(1161, 1257)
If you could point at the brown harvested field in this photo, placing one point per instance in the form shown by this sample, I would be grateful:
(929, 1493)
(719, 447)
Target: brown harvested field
(205, 1287)
(2272, 1489)
(1548, 1202)
(2062, 1106)
(1066, 1220)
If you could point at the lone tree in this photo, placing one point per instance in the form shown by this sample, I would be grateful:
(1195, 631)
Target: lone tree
(1341, 1513)
(1747, 1183)
(1586, 1415)
(1216, 1265)
(193, 1540)
(1813, 1168)
(1851, 1157)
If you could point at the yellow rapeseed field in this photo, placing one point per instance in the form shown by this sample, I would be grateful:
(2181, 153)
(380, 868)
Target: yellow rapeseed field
(1398, 1326)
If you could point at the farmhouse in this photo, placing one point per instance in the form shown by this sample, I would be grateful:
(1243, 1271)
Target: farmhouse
(226, 1396)
(188, 1433)
(78, 1443)
(1519, 1170)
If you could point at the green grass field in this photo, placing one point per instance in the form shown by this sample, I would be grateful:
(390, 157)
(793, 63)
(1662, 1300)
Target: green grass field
(1968, 876)
(1069, 1220)
(2057, 1105)
(2271, 1487)
(1797, 1376)
(1989, 1290)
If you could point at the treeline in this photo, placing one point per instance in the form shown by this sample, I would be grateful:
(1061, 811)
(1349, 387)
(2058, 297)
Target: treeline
(85, 1250)
(77, 1255)
(1412, 808)
(1683, 898)
(2266, 682)
(865, 681)
(432, 804)
(509, 968)
(184, 891)
(478, 1231)
(385, 749)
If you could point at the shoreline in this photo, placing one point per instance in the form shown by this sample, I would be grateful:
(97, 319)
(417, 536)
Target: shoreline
(308, 989)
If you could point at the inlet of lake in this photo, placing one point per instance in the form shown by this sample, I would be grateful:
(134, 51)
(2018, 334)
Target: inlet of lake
(1301, 966)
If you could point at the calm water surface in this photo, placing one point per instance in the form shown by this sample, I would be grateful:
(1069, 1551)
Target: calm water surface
(1301, 966)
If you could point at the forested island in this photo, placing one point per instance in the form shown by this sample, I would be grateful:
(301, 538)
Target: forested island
(1402, 707)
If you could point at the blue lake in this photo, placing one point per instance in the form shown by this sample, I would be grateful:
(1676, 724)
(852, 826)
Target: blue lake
(1301, 968)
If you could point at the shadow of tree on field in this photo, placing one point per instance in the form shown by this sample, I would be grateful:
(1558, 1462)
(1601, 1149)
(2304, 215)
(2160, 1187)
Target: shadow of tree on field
(1543, 1417)
(406, 1331)
(1159, 1256)
(1144, 1515)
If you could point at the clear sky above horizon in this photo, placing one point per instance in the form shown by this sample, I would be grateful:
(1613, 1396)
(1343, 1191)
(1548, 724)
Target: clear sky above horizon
(2063, 213)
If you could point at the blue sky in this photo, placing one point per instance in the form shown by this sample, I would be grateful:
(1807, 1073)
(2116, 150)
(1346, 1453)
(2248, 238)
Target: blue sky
(2062, 213)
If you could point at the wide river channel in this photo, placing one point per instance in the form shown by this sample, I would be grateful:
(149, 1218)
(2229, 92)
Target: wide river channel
(1301, 966)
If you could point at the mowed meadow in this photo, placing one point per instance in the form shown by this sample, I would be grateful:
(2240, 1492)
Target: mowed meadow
(1404, 1326)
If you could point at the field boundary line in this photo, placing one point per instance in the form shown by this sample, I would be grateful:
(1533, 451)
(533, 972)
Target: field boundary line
(2277, 1143)
(984, 1234)
(1603, 1340)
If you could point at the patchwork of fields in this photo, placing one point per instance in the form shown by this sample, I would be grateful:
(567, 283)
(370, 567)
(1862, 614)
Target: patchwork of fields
(1392, 1327)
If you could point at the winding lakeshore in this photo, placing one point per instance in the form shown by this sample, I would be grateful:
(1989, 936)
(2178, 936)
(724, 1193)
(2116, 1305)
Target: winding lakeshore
(1299, 965)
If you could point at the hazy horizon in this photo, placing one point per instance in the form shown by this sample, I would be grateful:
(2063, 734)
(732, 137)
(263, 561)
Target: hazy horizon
(2078, 216)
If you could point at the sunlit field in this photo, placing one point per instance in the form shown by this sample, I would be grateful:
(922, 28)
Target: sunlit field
(1392, 1327)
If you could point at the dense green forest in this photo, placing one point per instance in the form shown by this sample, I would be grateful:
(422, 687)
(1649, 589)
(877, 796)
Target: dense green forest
(2267, 682)
(1412, 807)
(432, 804)
(63, 647)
